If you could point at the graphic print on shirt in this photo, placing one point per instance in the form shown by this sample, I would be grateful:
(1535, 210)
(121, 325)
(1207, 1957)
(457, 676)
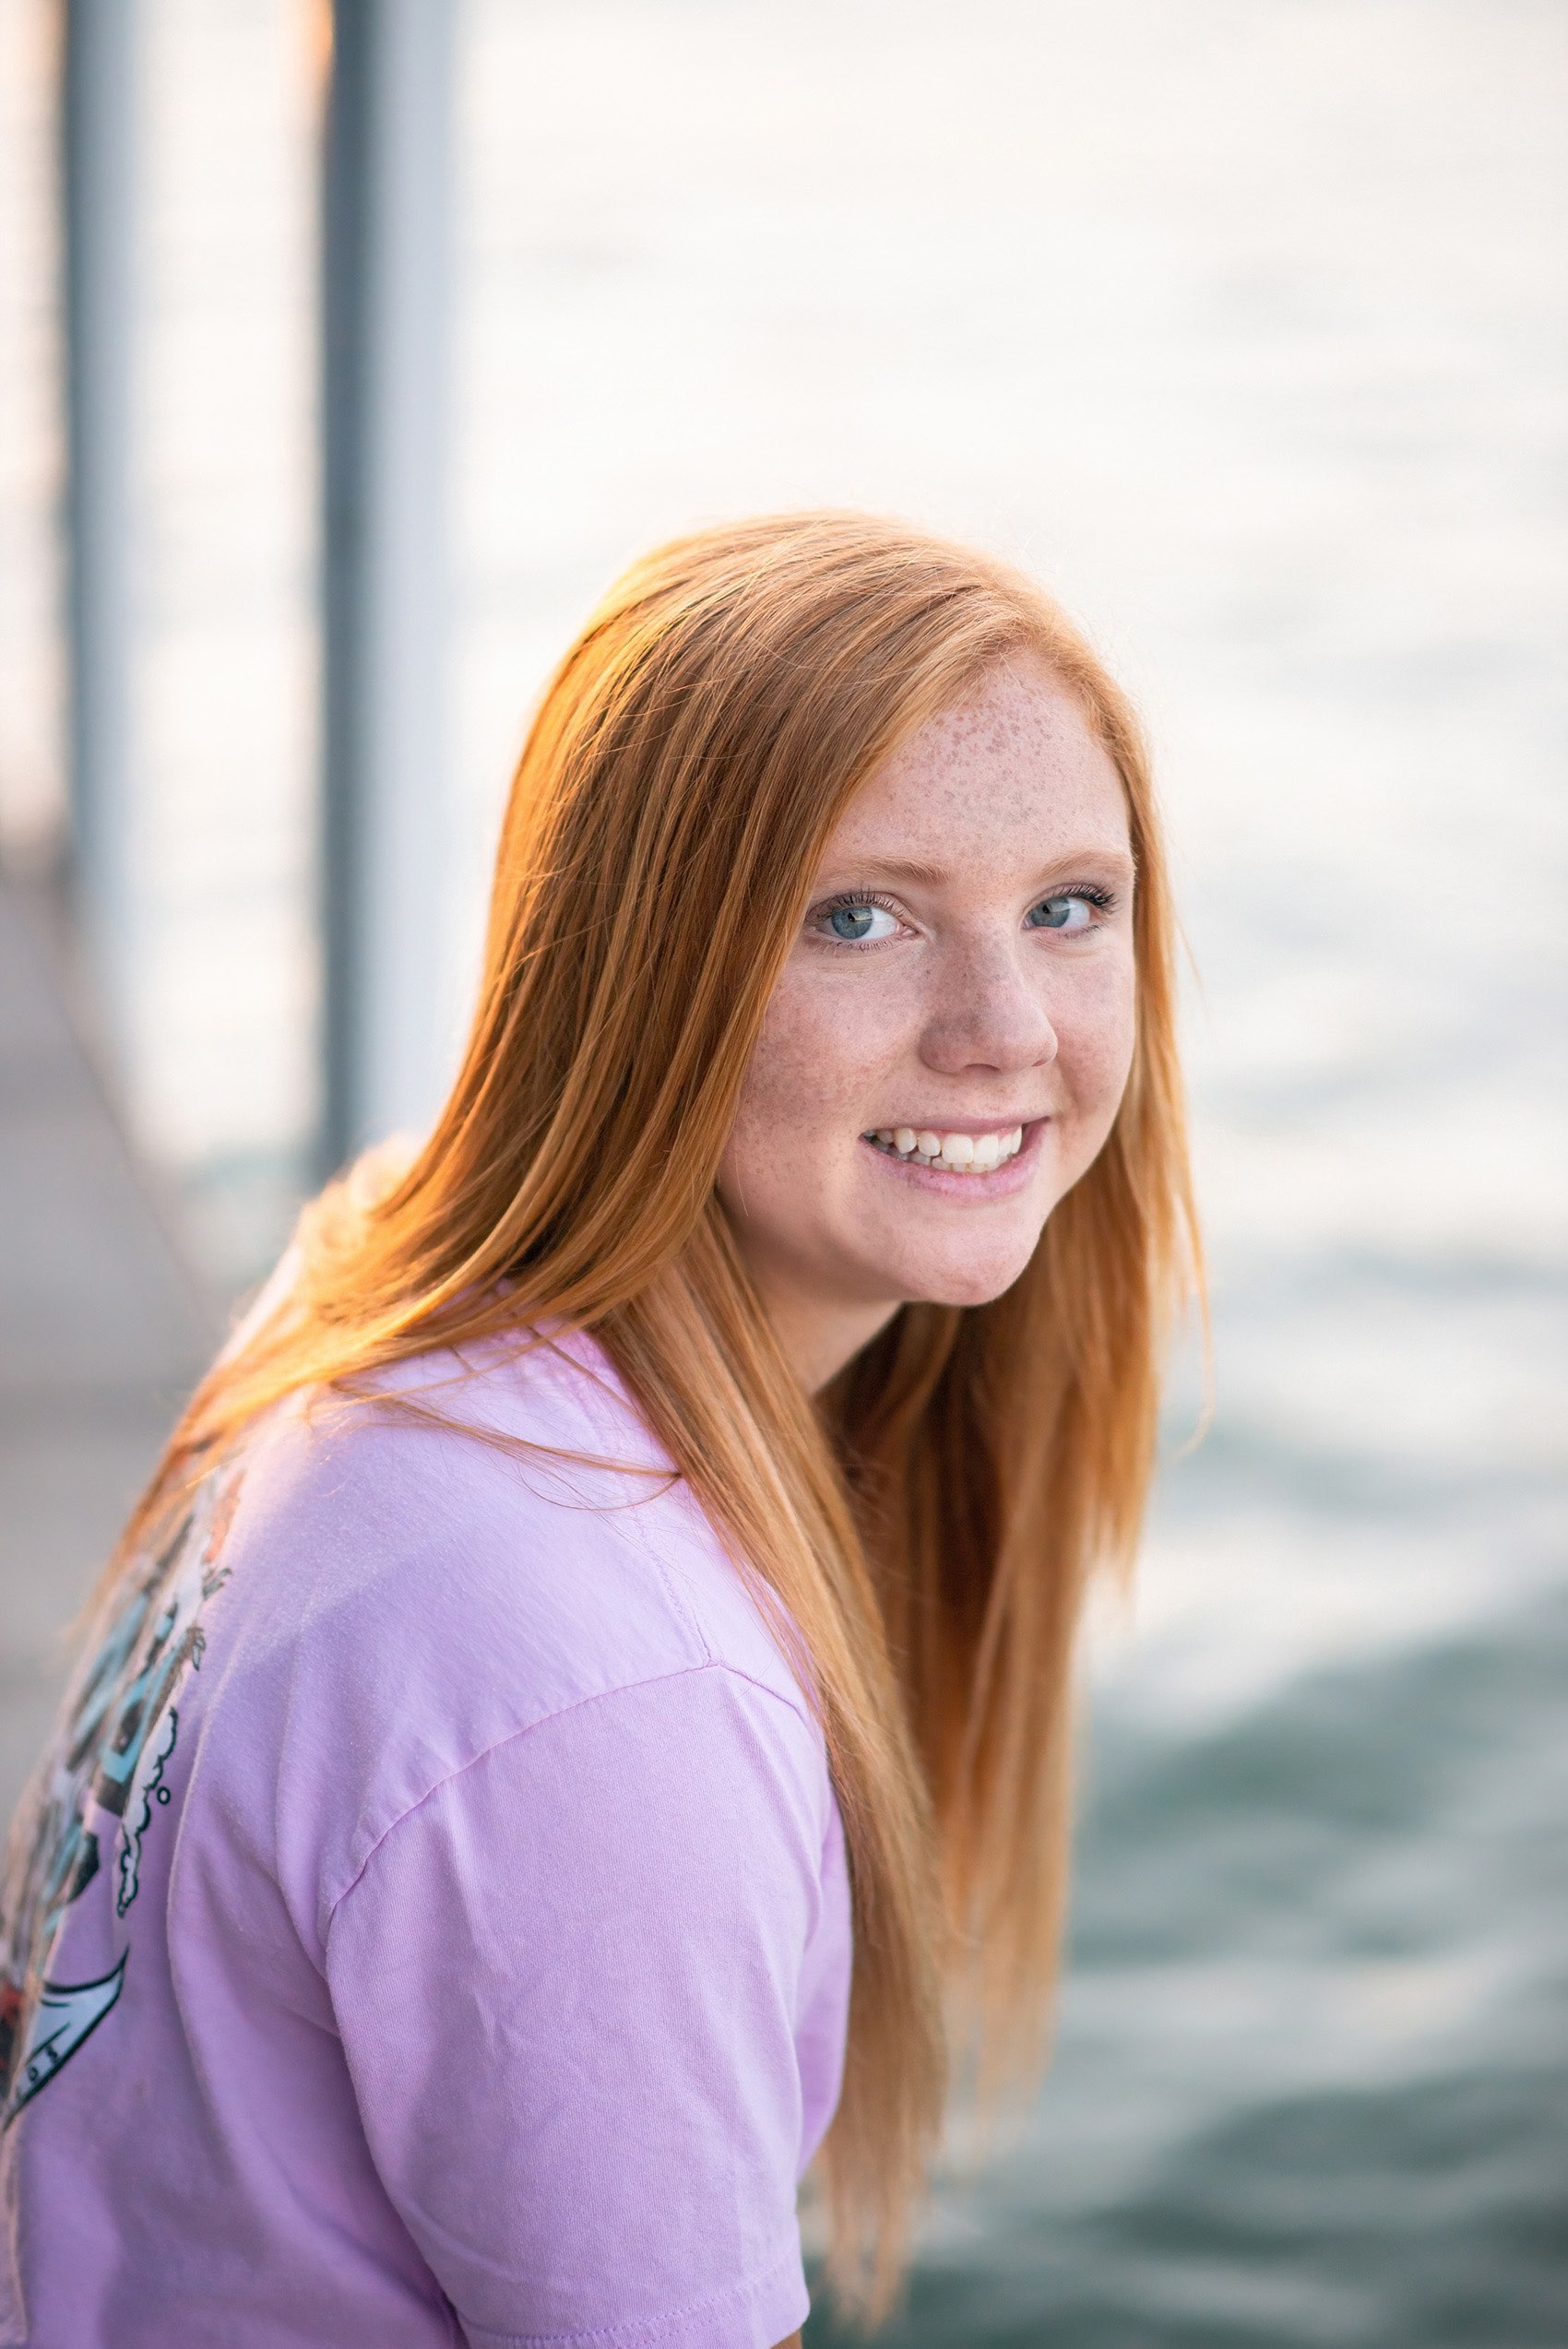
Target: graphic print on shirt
(77, 1846)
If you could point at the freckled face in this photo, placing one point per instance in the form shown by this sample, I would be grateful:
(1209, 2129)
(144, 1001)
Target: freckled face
(945, 1049)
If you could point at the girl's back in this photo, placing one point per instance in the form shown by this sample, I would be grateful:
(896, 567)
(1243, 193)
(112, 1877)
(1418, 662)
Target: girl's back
(437, 1858)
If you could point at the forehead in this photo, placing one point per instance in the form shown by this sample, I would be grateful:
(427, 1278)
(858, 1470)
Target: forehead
(1016, 773)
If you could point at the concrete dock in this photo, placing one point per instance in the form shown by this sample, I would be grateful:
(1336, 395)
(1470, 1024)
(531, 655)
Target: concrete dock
(103, 1325)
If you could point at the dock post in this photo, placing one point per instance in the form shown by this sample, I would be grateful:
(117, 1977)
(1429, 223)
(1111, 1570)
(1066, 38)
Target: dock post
(385, 297)
(97, 137)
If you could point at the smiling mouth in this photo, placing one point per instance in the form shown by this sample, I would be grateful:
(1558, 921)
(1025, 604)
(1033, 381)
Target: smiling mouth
(971, 1154)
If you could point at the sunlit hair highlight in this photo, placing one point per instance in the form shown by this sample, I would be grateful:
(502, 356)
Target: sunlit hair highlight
(931, 1523)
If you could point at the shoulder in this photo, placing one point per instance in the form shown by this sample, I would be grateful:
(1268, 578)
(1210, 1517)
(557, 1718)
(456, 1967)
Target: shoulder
(491, 1543)
(510, 1491)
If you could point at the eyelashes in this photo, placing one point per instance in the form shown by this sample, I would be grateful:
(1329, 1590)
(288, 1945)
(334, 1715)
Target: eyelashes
(1062, 903)
(855, 904)
(1087, 892)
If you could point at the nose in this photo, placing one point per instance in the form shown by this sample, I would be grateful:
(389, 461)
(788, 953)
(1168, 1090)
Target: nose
(986, 1015)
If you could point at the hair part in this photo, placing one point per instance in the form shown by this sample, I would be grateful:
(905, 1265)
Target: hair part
(923, 1535)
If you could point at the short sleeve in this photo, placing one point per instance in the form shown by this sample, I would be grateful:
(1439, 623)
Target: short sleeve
(567, 1985)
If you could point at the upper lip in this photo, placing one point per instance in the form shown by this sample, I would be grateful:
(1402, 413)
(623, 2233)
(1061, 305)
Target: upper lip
(973, 1126)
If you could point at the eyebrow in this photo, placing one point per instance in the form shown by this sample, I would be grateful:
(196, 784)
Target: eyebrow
(932, 876)
(900, 869)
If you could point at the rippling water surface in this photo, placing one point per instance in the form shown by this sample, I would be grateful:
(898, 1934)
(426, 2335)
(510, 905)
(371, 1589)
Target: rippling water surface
(1309, 2086)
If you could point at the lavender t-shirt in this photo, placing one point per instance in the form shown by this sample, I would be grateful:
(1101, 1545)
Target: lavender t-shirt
(440, 1903)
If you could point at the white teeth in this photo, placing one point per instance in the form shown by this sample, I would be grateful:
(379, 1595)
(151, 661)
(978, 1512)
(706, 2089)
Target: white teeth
(956, 1153)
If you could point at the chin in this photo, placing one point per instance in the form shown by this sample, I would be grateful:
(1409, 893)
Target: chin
(965, 1283)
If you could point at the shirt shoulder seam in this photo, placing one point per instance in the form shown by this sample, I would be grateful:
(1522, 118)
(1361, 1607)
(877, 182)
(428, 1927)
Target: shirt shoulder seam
(561, 1712)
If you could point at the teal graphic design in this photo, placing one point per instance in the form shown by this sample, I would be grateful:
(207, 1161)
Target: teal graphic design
(78, 1843)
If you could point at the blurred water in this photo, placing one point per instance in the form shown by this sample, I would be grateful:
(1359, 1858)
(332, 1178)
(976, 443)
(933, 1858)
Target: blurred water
(1309, 2083)
(1246, 325)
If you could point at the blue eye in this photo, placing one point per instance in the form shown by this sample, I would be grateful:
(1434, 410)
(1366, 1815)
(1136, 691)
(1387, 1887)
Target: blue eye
(1070, 913)
(858, 922)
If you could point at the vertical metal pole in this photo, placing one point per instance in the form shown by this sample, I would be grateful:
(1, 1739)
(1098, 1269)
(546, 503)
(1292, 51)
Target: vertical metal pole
(98, 108)
(385, 283)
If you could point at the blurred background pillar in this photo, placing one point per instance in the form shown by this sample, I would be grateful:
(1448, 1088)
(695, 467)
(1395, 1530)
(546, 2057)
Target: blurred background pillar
(386, 292)
(100, 53)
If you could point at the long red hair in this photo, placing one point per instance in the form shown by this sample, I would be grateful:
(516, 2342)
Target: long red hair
(931, 1521)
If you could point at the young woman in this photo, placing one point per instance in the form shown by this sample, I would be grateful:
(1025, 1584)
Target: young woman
(579, 1722)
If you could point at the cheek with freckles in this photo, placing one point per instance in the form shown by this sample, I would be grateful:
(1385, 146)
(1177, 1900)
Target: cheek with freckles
(1095, 1042)
(810, 1075)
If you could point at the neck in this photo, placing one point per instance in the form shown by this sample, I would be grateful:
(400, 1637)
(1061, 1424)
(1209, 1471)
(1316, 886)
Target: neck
(818, 1338)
